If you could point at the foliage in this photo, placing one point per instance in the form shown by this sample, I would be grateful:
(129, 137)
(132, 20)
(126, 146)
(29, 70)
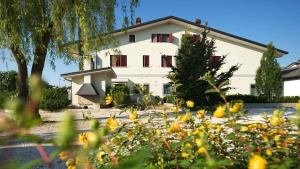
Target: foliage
(224, 138)
(120, 95)
(6, 97)
(8, 81)
(170, 99)
(37, 31)
(268, 81)
(54, 98)
(195, 58)
(262, 99)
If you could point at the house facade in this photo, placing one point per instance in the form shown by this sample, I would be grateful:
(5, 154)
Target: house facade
(291, 79)
(147, 50)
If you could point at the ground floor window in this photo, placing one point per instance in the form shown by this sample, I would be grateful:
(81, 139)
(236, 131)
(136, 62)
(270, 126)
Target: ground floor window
(252, 90)
(167, 89)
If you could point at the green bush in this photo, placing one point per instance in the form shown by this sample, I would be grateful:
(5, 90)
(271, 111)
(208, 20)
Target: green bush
(169, 99)
(4, 97)
(261, 99)
(120, 94)
(54, 99)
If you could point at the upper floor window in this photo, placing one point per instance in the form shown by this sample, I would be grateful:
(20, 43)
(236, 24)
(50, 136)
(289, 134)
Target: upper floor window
(215, 59)
(131, 38)
(118, 60)
(162, 37)
(196, 37)
(166, 61)
(145, 60)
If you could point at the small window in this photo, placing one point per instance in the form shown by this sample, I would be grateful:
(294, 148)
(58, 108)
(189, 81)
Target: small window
(196, 37)
(145, 60)
(118, 60)
(146, 87)
(214, 59)
(166, 61)
(252, 90)
(167, 89)
(161, 37)
(131, 38)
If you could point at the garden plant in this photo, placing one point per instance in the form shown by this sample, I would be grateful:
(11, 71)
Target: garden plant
(223, 138)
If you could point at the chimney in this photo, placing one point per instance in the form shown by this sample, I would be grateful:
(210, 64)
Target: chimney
(138, 21)
(198, 21)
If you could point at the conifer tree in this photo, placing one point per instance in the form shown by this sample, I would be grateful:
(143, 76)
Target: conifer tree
(268, 75)
(196, 56)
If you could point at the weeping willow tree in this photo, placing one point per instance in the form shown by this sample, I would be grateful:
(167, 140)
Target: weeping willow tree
(37, 30)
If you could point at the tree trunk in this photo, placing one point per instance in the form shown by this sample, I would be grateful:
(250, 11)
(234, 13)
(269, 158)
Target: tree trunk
(22, 79)
(40, 54)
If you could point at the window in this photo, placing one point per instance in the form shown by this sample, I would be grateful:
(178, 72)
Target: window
(131, 38)
(196, 37)
(145, 60)
(162, 37)
(146, 87)
(166, 61)
(167, 89)
(214, 59)
(118, 60)
(252, 90)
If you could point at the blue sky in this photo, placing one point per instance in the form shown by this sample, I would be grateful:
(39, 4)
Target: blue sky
(259, 20)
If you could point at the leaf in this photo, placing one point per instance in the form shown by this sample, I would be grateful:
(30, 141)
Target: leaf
(211, 91)
(224, 83)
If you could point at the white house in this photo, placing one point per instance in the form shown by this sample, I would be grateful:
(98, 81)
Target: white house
(291, 79)
(146, 52)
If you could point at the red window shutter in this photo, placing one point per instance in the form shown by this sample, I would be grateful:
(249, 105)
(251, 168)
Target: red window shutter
(123, 60)
(146, 60)
(169, 61)
(170, 37)
(160, 37)
(113, 60)
(163, 61)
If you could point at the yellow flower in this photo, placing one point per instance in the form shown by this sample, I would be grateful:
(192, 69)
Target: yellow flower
(115, 141)
(100, 155)
(220, 112)
(188, 145)
(133, 116)
(83, 138)
(200, 114)
(190, 104)
(186, 117)
(175, 128)
(290, 140)
(257, 162)
(277, 137)
(91, 137)
(70, 163)
(112, 124)
(175, 109)
(201, 150)
(236, 107)
(108, 100)
(199, 142)
(276, 121)
(298, 106)
(72, 167)
(64, 155)
(184, 155)
(218, 128)
(129, 133)
(268, 152)
(244, 128)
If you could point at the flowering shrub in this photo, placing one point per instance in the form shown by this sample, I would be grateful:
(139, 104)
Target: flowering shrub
(224, 138)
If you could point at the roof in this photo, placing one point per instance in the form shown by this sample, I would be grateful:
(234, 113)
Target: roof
(87, 90)
(196, 25)
(291, 73)
(87, 72)
(294, 64)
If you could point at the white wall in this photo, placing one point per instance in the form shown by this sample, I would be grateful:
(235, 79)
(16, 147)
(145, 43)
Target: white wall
(291, 88)
(249, 59)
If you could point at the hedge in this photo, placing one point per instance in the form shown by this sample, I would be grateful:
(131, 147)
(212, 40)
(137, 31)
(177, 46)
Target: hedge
(260, 99)
(54, 99)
